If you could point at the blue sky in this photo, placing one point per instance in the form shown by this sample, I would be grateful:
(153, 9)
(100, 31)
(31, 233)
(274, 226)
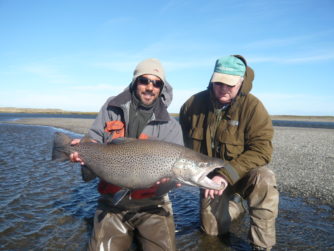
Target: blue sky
(73, 55)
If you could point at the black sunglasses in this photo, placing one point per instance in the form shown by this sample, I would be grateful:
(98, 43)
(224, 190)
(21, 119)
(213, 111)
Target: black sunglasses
(146, 81)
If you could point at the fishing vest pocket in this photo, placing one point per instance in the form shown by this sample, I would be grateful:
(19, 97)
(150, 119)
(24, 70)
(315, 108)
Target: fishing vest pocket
(197, 136)
(230, 141)
(115, 129)
(233, 151)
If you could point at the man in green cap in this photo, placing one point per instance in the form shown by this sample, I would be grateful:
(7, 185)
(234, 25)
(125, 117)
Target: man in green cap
(226, 121)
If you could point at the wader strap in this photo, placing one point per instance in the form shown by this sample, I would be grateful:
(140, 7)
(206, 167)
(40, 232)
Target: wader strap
(159, 210)
(108, 208)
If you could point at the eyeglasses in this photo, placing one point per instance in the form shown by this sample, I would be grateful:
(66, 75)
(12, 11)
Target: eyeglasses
(146, 81)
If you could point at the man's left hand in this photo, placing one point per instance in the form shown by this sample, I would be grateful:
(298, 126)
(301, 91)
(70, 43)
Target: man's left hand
(212, 193)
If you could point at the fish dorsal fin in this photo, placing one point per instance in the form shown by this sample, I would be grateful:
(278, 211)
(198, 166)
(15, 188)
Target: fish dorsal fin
(121, 140)
(85, 139)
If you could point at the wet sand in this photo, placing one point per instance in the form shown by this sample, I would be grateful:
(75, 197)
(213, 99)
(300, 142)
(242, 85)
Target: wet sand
(76, 125)
(303, 158)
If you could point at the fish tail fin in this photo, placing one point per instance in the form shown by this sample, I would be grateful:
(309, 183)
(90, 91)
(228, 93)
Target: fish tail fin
(61, 147)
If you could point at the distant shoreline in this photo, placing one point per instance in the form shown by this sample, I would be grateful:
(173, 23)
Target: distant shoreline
(59, 111)
(44, 111)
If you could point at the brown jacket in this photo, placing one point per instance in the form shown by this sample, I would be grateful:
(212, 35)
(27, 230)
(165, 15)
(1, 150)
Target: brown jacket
(241, 135)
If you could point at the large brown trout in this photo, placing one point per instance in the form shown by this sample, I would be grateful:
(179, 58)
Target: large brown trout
(136, 164)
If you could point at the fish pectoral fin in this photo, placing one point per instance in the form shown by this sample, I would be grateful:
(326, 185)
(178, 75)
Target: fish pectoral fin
(58, 154)
(119, 196)
(165, 187)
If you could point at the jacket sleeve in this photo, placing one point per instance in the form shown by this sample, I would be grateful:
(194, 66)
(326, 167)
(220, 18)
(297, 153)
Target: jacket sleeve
(184, 120)
(172, 132)
(97, 129)
(258, 149)
(175, 134)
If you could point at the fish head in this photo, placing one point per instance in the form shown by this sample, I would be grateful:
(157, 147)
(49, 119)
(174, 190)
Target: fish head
(195, 173)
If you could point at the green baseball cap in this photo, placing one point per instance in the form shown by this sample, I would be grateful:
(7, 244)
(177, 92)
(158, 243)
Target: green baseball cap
(228, 70)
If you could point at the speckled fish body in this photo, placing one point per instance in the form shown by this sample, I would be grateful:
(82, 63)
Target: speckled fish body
(135, 164)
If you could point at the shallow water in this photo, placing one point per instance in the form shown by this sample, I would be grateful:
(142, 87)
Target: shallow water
(44, 205)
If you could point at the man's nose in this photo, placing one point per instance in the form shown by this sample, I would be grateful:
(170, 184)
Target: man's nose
(149, 86)
(225, 88)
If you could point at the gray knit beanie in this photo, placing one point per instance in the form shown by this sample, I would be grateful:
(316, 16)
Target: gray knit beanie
(151, 66)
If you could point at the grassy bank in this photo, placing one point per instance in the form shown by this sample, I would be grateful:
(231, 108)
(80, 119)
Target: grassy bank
(45, 111)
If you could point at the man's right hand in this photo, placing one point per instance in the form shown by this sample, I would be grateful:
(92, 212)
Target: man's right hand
(74, 157)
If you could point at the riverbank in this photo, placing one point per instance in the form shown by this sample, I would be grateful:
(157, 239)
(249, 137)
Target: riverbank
(43, 111)
(76, 125)
(303, 158)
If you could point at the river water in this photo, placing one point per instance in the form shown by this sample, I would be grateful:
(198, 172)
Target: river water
(44, 205)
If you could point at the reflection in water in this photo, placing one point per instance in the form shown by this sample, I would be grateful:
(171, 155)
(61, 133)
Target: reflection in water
(46, 205)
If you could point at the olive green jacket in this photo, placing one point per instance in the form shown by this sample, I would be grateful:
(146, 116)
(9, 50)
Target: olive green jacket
(241, 135)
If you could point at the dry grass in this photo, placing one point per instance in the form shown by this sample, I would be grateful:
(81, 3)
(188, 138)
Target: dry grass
(36, 110)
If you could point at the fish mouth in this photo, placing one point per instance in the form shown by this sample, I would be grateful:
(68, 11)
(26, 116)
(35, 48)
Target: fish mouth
(205, 180)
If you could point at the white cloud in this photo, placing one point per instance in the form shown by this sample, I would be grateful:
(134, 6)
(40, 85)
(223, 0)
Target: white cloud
(86, 101)
(50, 73)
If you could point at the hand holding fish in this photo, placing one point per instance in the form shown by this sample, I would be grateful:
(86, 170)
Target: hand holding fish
(211, 193)
(74, 157)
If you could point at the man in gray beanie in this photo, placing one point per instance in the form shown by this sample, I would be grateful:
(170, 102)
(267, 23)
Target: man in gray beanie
(140, 111)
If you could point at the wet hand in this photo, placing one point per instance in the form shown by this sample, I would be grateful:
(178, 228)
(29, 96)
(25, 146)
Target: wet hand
(212, 193)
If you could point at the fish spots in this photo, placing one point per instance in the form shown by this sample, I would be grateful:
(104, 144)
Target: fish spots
(137, 164)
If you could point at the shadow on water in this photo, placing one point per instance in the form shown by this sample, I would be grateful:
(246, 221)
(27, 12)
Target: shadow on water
(45, 205)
